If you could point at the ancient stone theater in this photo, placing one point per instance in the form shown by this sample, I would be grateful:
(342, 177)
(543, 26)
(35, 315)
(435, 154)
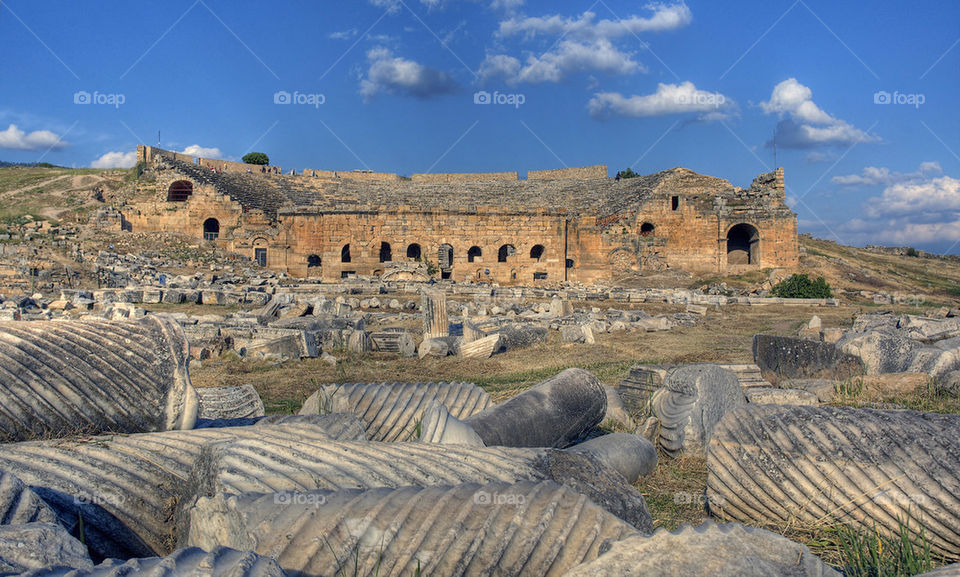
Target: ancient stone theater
(571, 224)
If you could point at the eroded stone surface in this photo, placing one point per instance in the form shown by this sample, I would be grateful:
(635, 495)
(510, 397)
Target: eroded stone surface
(188, 562)
(391, 411)
(39, 545)
(630, 455)
(471, 529)
(861, 467)
(241, 402)
(59, 378)
(707, 550)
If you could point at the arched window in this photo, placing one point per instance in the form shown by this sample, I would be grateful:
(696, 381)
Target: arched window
(505, 251)
(413, 251)
(386, 253)
(474, 253)
(211, 229)
(313, 261)
(179, 191)
(345, 253)
(743, 244)
(647, 228)
(536, 253)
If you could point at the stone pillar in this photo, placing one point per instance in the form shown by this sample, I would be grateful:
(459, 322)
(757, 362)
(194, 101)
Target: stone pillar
(435, 324)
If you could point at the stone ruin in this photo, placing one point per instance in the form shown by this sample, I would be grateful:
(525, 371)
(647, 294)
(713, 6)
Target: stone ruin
(523, 487)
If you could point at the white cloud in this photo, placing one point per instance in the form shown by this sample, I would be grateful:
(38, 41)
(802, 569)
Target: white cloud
(684, 98)
(568, 57)
(116, 160)
(17, 139)
(882, 176)
(343, 34)
(393, 6)
(196, 150)
(663, 17)
(936, 198)
(806, 125)
(396, 75)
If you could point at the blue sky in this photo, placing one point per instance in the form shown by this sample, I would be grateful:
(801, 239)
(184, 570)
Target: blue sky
(862, 96)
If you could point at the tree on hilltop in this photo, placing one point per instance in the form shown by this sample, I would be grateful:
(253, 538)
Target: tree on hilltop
(256, 158)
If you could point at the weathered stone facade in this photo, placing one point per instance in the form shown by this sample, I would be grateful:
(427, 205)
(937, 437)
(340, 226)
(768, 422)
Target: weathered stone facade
(557, 225)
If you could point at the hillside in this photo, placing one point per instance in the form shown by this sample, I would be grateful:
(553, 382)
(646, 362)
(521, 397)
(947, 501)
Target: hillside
(53, 193)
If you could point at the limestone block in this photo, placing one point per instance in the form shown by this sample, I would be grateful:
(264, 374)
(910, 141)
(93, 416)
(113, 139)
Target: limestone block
(503, 529)
(359, 342)
(64, 377)
(693, 399)
(775, 396)
(861, 467)
(188, 562)
(241, 402)
(616, 411)
(481, 348)
(433, 348)
(554, 413)
(390, 411)
(394, 342)
(39, 545)
(794, 358)
(705, 551)
(630, 455)
(824, 389)
(20, 505)
(126, 487)
(572, 334)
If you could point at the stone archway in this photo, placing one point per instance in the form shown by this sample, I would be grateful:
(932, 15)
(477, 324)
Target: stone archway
(743, 245)
(211, 229)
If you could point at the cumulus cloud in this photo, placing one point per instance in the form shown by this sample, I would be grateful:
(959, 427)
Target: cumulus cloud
(199, 151)
(586, 27)
(16, 139)
(936, 198)
(396, 75)
(115, 160)
(343, 34)
(669, 99)
(568, 57)
(882, 176)
(806, 125)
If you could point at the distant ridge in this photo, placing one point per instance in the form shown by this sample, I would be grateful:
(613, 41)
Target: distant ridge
(29, 164)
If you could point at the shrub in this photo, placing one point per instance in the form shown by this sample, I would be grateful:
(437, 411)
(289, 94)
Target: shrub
(912, 251)
(256, 158)
(799, 286)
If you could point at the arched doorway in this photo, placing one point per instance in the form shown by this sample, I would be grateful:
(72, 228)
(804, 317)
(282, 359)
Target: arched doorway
(743, 245)
(445, 260)
(505, 252)
(647, 228)
(386, 253)
(345, 253)
(414, 252)
(314, 261)
(211, 229)
(474, 254)
(536, 253)
(179, 191)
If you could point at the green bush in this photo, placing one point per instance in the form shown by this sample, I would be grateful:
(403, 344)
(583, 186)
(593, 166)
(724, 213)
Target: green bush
(912, 251)
(256, 158)
(799, 286)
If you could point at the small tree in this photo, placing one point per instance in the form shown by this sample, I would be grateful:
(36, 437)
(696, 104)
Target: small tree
(256, 158)
(628, 173)
(799, 286)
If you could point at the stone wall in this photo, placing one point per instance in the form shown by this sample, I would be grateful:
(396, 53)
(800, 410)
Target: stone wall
(242, 167)
(465, 177)
(360, 175)
(576, 173)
